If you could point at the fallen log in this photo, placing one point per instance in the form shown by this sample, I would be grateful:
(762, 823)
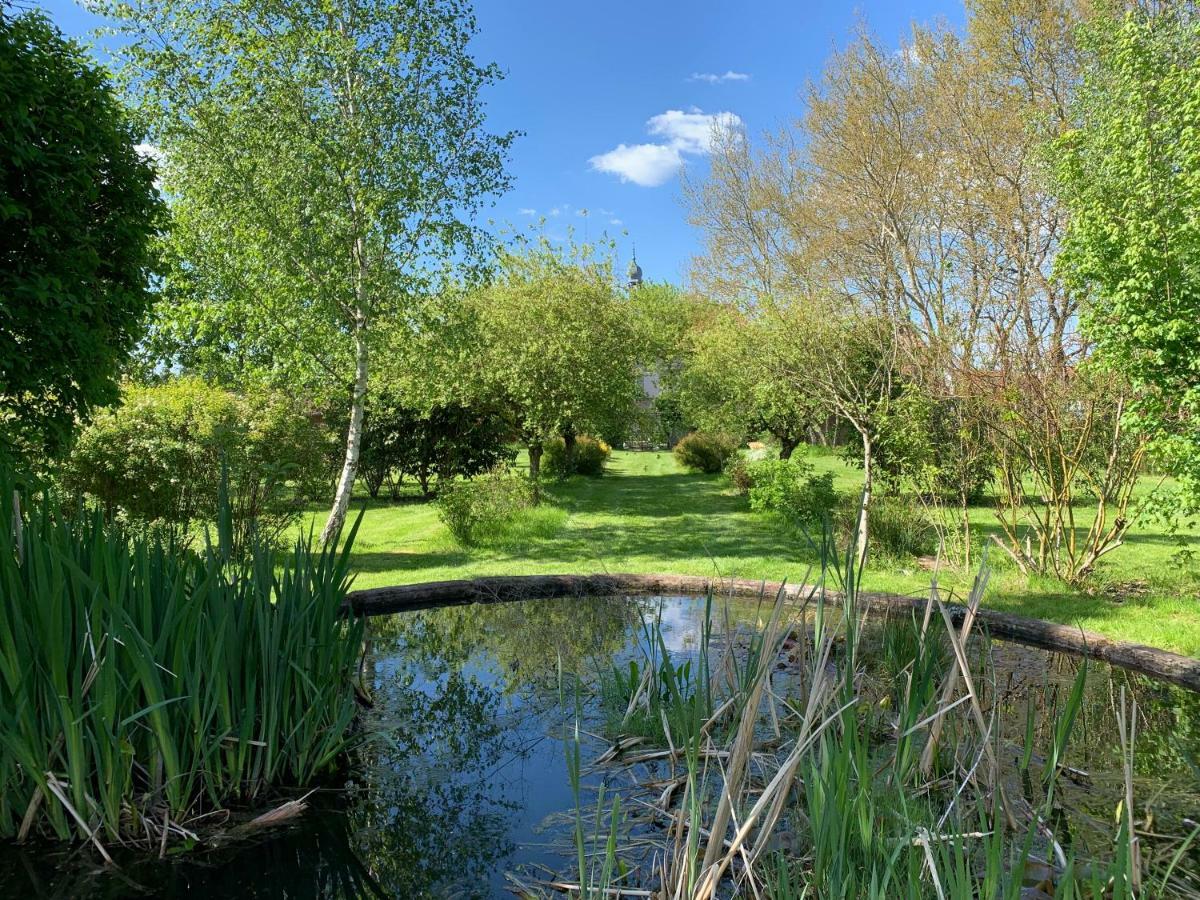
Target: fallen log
(1172, 667)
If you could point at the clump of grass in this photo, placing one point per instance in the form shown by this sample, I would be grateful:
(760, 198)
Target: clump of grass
(846, 787)
(142, 687)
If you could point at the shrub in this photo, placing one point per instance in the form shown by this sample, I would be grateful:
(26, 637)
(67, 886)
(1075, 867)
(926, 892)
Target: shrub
(472, 508)
(898, 526)
(705, 452)
(792, 489)
(587, 458)
(738, 470)
(139, 682)
(157, 459)
(446, 442)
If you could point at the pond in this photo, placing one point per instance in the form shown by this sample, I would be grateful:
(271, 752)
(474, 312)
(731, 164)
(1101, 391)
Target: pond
(478, 709)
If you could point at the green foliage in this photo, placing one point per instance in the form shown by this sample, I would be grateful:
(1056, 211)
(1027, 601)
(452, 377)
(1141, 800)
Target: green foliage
(446, 442)
(473, 509)
(78, 211)
(587, 456)
(792, 489)
(325, 164)
(556, 344)
(939, 445)
(1130, 176)
(157, 458)
(900, 527)
(140, 682)
(705, 452)
(742, 375)
(738, 471)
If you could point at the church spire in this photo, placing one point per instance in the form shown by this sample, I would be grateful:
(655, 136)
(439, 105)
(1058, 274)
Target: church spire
(634, 271)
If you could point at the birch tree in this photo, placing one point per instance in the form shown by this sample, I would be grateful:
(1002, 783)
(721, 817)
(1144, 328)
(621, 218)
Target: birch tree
(324, 161)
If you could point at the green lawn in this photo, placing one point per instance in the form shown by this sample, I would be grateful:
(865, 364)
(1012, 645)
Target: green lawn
(646, 515)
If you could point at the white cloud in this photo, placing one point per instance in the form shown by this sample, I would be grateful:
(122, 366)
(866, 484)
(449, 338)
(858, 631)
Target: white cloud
(650, 165)
(713, 78)
(692, 132)
(526, 211)
(615, 222)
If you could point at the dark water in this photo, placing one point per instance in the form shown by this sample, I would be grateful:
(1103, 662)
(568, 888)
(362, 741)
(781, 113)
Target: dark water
(470, 780)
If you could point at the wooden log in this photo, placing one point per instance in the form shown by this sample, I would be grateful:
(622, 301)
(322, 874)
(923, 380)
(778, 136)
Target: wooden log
(1172, 667)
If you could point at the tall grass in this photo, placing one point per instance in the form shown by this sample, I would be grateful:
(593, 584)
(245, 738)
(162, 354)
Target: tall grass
(143, 687)
(878, 788)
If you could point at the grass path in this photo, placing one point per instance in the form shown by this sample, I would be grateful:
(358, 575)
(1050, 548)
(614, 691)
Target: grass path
(646, 515)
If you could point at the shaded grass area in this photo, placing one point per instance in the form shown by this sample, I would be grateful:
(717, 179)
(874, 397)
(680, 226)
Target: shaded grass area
(646, 515)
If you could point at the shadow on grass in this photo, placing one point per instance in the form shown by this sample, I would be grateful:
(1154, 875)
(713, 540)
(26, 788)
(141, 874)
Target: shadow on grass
(405, 561)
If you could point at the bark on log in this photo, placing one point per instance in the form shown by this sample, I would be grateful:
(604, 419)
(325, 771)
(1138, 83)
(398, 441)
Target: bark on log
(1181, 670)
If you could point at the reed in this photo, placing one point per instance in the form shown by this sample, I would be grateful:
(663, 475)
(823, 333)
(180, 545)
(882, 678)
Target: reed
(894, 788)
(144, 687)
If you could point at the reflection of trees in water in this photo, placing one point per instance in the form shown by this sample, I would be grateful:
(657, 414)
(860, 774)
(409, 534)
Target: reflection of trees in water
(525, 640)
(418, 818)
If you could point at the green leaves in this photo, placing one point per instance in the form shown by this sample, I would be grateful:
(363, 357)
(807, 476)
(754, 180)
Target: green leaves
(78, 210)
(146, 679)
(557, 343)
(1130, 174)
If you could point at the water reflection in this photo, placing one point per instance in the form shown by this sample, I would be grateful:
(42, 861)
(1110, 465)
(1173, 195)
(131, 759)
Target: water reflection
(467, 779)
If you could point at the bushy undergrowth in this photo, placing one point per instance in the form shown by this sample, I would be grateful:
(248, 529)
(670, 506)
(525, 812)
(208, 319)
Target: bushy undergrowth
(588, 457)
(141, 686)
(705, 452)
(792, 489)
(472, 509)
(900, 527)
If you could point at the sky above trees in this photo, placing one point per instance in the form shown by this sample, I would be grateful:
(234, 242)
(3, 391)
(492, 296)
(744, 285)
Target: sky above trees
(613, 98)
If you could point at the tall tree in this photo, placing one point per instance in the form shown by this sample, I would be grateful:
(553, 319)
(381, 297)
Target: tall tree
(78, 212)
(557, 344)
(1130, 173)
(325, 161)
(738, 376)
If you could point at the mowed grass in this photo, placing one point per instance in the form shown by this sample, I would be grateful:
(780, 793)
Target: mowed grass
(647, 515)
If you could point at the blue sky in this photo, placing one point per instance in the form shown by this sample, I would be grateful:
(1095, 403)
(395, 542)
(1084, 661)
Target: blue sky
(613, 96)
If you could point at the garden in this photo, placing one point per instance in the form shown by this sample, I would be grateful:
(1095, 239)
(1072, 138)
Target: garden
(355, 545)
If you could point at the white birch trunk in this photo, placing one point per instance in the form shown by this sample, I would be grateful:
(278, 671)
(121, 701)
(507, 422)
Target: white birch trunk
(345, 485)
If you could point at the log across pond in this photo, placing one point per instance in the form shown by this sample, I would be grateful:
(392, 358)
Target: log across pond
(1181, 670)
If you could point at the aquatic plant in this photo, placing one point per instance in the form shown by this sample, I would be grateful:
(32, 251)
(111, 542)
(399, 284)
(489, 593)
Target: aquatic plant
(818, 775)
(144, 687)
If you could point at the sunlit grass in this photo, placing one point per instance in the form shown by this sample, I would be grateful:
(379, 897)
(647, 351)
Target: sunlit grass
(646, 515)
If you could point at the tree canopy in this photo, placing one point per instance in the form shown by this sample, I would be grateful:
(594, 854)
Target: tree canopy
(1130, 173)
(325, 163)
(557, 343)
(78, 212)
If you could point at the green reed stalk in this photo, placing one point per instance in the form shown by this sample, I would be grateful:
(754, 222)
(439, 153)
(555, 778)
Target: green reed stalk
(142, 684)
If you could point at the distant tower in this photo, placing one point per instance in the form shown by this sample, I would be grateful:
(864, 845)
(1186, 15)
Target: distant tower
(634, 271)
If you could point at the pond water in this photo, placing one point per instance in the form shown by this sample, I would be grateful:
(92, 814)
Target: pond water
(468, 785)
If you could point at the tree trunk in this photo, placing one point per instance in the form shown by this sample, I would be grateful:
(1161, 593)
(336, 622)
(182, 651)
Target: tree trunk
(569, 442)
(864, 508)
(535, 471)
(345, 486)
(787, 445)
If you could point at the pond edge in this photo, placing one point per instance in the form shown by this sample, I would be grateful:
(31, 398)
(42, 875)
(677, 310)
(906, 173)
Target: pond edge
(1162, 664)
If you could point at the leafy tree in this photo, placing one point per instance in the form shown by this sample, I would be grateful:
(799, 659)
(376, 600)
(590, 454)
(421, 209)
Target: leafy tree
(445, 442)
(736, 378)
(1130, 173)
(78, 211)
(556, 345)
(156, 458)
(851, 363)
(325, 161)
